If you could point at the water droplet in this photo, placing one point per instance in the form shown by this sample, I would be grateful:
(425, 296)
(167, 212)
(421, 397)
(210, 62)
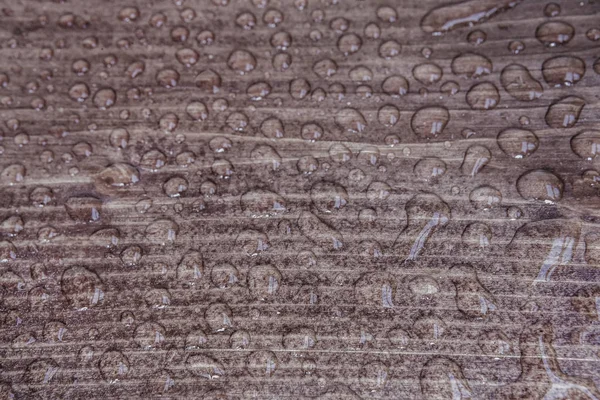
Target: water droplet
(167, 78)
(79, 92)
(224, 276)
(282, 61)
(180, 34)
(219, 317)
(267, 155)
(272, 18)
(450, 88)
(540, 185)
(105, 98)
(246, 20)
(476, 37)
(428, 73)
(205, 38)
(389, 49)
(447, 17)
(514, 212)
(131, 256)
(430, 168)
(119, 175)
(554, 33)
(425, 213)
(258, 203)
(339, 153)
(41, 196)
(203, 366)
(13, 174)
(551, 10)
(258, 90)
(113, 365)
(472, 298)
(328, 197)
(516, 46)
(586, 144)
(429, 122)
(128, 14)
(149, 335)
(84, 208)
(518, 143)
(81, 287)
(349, 43)
(483, 96)
(376, 289)
(40, 373)
(476, 157)
(563, 70)
(301, 338)
(299, 88)
(272, 128)
(241, 61)
(237, 121)
(395, 85)
(471, 65)
(262, 364)
(325, 68)
(564, 113)
(209, 81)
(518, 82)
(546, 245)
(372, 31)
(307, 164)
(187, 56)
(388, 115)
(351, 120)
(485, 197)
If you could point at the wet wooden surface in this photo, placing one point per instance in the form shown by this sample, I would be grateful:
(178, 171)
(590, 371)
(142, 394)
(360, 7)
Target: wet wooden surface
(300, 199)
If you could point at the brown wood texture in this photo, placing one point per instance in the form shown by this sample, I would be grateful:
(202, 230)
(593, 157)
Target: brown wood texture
(300, 199)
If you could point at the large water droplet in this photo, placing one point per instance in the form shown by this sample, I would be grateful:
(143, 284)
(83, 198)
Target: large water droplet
(258, 203)
(518, 82)
(454, 15)
(395, 85)
(518, 143)
(429, 122)
(476, 157)
(471, 65)
(425, 214)
(485, 197)
(119, 175)
(586, 144)
(563, 70)
(554, 33)
(241, 61)
(84, 208)
(328, 197)
(351, 120)
(540, 185)
(430, 168)
(427, 73)
(483, 96)
(564, 113)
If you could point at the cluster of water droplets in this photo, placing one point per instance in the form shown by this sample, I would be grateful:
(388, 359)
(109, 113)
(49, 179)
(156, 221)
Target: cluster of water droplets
(303, 199)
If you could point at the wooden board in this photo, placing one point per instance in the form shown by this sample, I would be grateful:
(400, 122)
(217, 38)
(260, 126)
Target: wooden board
(292, 199)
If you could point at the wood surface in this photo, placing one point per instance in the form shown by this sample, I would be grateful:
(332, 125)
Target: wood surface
(298, 199)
